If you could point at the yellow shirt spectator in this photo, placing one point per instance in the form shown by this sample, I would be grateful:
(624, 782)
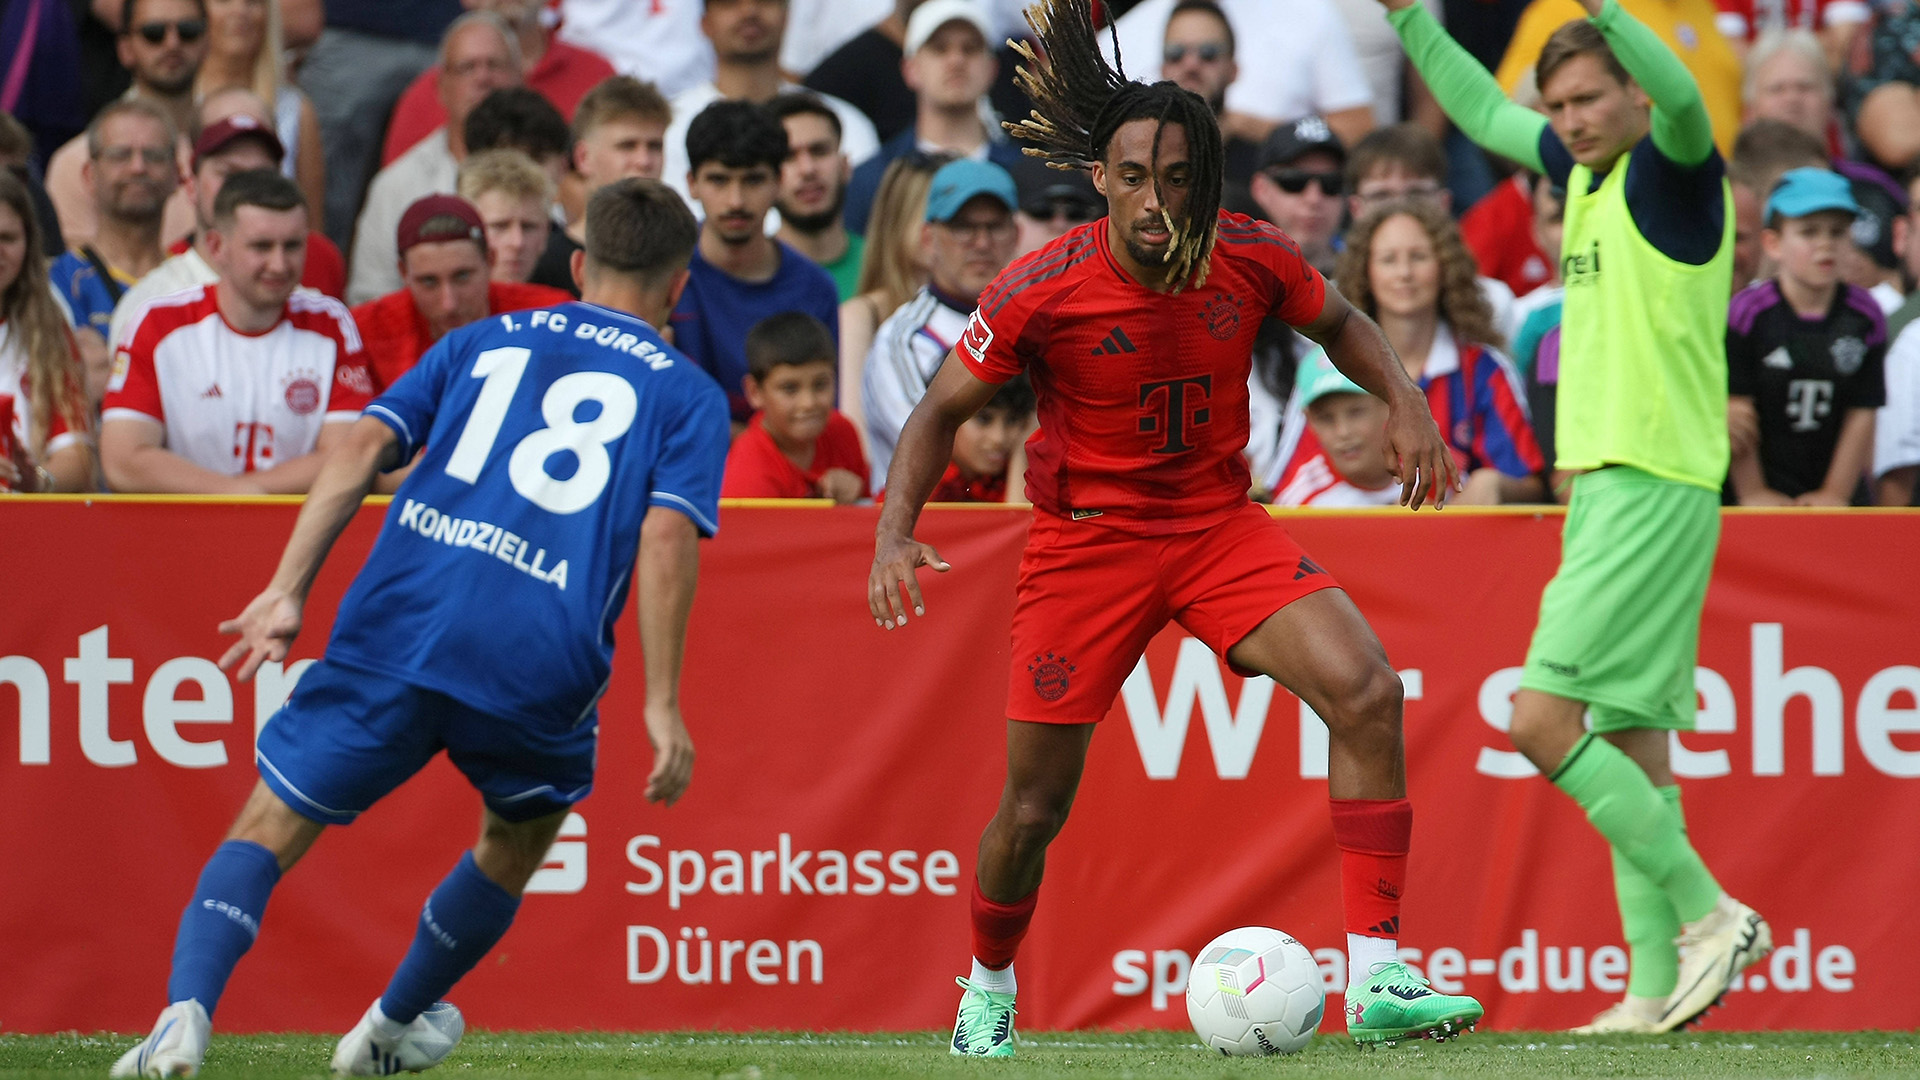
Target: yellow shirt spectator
(1687, 26)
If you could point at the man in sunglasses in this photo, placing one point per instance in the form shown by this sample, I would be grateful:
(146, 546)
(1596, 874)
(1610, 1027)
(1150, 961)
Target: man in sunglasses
(162, 42)
(1197, 54)
(1299, 185)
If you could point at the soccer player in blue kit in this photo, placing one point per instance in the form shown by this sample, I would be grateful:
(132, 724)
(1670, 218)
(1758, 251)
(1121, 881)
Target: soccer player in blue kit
(558, 442)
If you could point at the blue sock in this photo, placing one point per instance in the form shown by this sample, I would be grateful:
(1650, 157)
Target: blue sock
(466, 915)
(221, 921)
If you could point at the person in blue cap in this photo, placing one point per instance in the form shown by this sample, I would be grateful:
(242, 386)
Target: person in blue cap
(1806, 356)
(969, 237)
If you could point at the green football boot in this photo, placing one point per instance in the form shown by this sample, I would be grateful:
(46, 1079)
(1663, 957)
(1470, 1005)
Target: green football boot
(985, 1025)
(1391, 1003)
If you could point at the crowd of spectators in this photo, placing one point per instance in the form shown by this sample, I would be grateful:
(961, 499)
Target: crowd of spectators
(195, 190)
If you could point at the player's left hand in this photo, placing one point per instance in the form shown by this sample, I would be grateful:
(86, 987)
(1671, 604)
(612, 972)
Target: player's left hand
(266, 628)
(672, 754)
(1417, 456)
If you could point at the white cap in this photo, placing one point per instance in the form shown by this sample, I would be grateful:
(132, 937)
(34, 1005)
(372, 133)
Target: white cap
(934, 14)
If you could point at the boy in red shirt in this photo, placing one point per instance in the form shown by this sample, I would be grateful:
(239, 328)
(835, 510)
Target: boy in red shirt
(797, 445)
(983, 447)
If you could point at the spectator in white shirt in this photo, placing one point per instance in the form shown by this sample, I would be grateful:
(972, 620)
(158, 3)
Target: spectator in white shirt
(478, 55)
(746, 37)
(242, 386)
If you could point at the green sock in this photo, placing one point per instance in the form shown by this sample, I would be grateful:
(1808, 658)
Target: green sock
(1622, 803)
(1647, 920)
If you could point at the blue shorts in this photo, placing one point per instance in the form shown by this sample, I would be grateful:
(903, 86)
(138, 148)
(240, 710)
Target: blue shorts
(347, 737)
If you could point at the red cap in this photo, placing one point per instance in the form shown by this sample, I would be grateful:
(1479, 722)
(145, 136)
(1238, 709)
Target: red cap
(221, 134)
(413, 223)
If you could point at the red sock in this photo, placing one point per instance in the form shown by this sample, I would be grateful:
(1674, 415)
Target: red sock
(998, 928)
(1373, 835)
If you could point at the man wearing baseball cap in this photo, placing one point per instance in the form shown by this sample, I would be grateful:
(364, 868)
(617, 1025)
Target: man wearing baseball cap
(446, 270)
(949, 64)
(1298, 183)
(237, 142)
(969, 238)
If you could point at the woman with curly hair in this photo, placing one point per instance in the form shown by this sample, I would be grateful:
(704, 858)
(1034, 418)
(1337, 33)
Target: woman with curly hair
(43, 444)
(1405, 265)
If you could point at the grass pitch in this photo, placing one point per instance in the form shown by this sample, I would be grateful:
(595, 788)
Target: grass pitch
(768, 1056)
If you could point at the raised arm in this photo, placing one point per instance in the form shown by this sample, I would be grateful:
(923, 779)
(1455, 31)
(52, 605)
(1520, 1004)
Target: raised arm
(1681, 128)
(1465, 89)
(919, 459)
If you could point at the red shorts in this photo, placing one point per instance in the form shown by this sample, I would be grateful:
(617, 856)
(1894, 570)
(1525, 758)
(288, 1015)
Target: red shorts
(1090, 597)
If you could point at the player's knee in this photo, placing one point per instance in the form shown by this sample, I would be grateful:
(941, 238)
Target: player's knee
(1367, 703)
(1035, 818)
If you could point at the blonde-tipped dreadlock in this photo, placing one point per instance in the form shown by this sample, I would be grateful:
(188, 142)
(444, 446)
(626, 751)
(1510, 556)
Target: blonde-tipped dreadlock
(1079, 102)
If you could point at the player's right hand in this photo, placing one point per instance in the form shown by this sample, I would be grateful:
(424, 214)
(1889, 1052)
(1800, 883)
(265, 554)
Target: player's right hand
(266, 628)
(672, 754)
(893, 585)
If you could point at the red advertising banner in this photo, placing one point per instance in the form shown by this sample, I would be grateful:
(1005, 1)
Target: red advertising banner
(815, 875)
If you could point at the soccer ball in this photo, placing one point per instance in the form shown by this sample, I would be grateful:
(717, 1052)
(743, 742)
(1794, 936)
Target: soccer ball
(1255, 991)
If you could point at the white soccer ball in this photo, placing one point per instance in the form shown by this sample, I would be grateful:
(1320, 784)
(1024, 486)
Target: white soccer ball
(1255, 991)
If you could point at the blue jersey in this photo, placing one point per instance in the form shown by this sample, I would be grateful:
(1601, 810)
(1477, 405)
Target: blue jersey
(89, 297)
(505, 558)
(717, 309)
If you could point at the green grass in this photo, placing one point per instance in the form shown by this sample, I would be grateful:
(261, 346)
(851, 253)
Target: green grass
(513, 1056)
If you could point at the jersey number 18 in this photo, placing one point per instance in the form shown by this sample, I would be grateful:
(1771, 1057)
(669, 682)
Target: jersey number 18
(527, 466)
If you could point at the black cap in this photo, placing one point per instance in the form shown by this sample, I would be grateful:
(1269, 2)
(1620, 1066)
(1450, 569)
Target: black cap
(1042, 188)
(1292, 141)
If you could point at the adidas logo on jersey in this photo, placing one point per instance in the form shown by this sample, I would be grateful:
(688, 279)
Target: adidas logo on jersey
(1115, 342)
(1778, 359)
(213, 392)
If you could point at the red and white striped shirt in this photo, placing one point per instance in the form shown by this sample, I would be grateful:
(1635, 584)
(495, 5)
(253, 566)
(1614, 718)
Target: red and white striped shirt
(233, 402)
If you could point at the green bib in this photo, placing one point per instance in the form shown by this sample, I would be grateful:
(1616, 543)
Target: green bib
(1643, 355)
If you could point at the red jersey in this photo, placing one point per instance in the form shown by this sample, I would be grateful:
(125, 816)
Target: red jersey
(397, 335)
(1142, 395)
(756, 469)
(957, 487)
(1498, 230)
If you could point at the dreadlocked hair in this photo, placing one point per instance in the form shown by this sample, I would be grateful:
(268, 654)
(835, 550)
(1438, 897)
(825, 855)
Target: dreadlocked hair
(1080, 102)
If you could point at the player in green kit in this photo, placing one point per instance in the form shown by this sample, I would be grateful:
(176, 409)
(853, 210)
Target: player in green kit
(1647, 261)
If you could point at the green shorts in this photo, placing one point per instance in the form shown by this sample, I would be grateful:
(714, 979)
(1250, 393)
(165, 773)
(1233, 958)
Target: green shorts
(1620, 623)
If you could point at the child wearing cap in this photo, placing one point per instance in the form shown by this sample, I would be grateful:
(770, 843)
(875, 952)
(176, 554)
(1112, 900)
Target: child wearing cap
(1349, 466)
(1805, 356)
(796, 445)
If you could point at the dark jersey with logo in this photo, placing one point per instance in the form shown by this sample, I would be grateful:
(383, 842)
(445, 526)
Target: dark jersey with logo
(1142, 395)
(1803, 375)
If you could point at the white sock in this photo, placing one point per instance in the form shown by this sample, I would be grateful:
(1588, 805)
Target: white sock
(1363, 952)
(385, 1028)
(1000, 982)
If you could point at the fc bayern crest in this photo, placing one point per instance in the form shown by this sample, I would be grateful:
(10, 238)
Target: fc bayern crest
(1222, 316)
(1051, 674)
(1848, 354)
(303, 396)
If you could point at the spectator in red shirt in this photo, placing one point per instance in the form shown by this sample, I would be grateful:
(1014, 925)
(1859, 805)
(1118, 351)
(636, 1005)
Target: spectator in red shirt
(796, 445)
(562, 73)
(444, 261)
(983, 447)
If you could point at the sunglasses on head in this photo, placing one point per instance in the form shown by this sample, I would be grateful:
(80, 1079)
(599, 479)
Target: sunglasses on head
(190, 30)
(1295, 181)
(1208, 52)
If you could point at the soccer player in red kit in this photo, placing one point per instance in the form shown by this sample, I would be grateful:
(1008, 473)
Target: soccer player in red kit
(1137, 332)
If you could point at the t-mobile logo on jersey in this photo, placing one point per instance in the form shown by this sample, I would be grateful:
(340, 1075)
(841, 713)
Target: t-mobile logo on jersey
(1172, 410)
(1808, 402)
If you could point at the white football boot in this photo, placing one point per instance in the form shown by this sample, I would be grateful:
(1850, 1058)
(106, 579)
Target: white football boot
(421, 1045)
(176, 1047)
